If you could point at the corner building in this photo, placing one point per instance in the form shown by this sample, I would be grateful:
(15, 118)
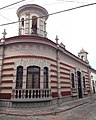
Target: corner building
(34, 69)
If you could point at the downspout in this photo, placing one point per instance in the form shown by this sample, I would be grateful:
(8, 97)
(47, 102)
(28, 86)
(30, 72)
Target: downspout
(57, 60)
(3, 51)
(89, 74)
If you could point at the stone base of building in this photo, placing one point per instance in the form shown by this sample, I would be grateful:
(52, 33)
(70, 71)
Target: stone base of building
(22, 104)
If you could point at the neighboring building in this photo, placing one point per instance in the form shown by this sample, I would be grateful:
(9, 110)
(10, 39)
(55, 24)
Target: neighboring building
(34, 68)
(93, 80)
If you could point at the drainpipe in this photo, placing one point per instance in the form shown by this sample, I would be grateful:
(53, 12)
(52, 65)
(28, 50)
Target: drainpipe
(57, 60)
(89, 73)
(3, 50)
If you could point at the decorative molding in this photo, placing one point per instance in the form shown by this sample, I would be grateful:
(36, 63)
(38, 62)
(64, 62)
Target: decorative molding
(32, 38)
(32, 61)
(29, 56)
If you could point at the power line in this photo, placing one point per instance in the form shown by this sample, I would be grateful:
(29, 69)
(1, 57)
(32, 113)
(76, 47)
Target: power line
(28, 1)
(31, 0)
(4, 17)
(63, 1)
(90, 4)
(74, 8)
(12, 4)
(9, 6)
(72, 1)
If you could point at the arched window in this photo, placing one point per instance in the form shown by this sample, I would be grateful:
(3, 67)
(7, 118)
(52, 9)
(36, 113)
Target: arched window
(19, 77)
(72, 80)
(33, 77)
(34, 25)
(84, 85)
(22, 22)
(46, 77)
(82, 57)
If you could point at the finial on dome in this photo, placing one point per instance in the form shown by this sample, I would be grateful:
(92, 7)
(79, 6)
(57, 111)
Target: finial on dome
(4, 34)
(56, 39)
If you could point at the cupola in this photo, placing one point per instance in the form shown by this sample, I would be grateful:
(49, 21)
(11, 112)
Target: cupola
(32, 20)
(83, 55)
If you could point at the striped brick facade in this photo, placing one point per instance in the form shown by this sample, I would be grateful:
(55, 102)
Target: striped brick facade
(38, 51)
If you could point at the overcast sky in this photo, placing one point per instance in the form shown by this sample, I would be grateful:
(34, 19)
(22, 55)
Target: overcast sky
(76, 29)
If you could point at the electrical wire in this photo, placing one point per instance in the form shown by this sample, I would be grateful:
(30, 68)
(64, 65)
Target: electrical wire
(9, 6)
(62, 2)
(72, 1)
(44, 4)
(70, 9)
(4, 17)
(86, 5)
(30, 1)
(15, 6)
(12, 4)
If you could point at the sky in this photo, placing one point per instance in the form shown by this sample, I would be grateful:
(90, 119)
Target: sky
(76, 29)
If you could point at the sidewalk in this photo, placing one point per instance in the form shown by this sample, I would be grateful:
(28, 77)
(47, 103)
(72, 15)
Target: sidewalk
(49, 111)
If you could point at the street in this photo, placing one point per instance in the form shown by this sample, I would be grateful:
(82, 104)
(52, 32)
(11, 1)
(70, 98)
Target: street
(83, 112)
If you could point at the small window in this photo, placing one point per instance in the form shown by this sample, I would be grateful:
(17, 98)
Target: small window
(22, 22)
(84, 85)
(45, 77)
(34, 25)
(82, 57)
(72, 80)
(19, 77)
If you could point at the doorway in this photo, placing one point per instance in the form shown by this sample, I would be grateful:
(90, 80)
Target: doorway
(79, 84)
